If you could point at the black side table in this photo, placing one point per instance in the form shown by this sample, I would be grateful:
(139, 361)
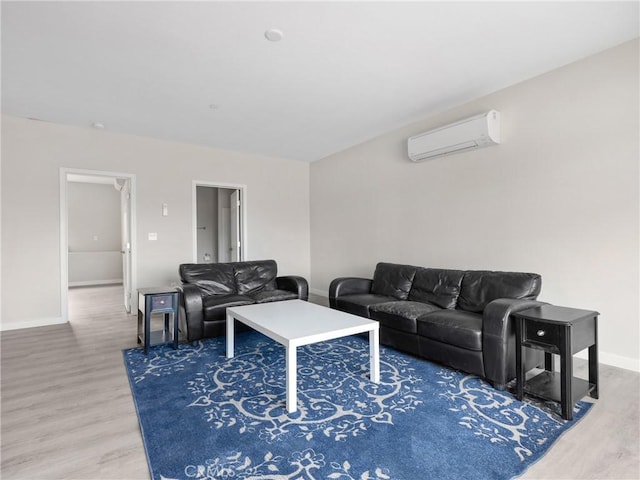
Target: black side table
(157, 300)
(562, 331)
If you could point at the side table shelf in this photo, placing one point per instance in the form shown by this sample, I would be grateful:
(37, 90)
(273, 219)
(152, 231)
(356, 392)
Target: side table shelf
(162, 300)
(564, 332)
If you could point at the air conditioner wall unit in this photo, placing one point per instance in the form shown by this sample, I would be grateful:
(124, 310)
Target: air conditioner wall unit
(474, 132)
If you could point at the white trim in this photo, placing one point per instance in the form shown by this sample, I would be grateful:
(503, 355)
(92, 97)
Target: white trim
(41, 322)
(86, 283)
(194, 215)
(64, 236)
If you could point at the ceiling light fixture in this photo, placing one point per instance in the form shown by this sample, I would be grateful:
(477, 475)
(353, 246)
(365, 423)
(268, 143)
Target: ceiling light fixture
(273, 35)
(98, 125)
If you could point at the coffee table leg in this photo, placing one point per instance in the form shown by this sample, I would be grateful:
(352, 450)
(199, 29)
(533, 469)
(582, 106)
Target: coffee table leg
(229, 336)
(374, 355)
(292, 386)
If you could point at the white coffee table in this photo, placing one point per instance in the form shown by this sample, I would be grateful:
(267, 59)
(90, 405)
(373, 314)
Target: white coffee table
(294, 323)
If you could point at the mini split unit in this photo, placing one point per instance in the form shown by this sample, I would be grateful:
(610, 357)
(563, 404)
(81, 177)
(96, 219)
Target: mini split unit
(475, 132)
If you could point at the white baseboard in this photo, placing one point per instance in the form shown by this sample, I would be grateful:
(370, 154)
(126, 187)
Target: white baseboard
(41, 322)
(88, 283)
(614, 360)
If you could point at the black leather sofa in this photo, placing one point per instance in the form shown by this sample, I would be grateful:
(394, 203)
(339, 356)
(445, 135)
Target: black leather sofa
(458, 318)
(209, 288)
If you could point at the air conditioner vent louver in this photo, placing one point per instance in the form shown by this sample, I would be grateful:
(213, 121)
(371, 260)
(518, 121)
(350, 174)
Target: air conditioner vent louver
(479, 131)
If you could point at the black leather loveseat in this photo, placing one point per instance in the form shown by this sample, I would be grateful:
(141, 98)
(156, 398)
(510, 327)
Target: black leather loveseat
(453, 317)
(209, 288)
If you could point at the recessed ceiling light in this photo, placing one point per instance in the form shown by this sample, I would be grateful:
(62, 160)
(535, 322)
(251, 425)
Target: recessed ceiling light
(98, 125)
(273, 35)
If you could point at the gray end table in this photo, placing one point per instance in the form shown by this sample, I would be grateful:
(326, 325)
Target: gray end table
(562, 331)
(158, 300)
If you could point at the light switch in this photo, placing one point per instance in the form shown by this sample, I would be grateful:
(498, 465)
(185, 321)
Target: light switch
(153, 236)
(95, 238)
(165, 210)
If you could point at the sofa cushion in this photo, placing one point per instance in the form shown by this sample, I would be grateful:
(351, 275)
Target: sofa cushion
(214, 306)
(481, 287)
(454, 327)
(437, 286)
(400, 315)
(265, 296)
(255, 276)
(359, 303)
(392, 280)
(212, 278)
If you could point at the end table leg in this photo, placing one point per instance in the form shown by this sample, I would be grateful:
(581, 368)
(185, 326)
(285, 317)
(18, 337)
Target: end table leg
(566, 375)
(147, 325)
(593, 371)
(593, 361)
(292, 386)
(519, 361)
(374, 355)
(229, 335)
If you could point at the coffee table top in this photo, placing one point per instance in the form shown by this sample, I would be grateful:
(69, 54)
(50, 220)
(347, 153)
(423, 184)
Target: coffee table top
(296, 322)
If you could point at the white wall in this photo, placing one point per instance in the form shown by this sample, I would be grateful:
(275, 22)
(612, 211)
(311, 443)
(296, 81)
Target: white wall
(33, 153)
(559, 197)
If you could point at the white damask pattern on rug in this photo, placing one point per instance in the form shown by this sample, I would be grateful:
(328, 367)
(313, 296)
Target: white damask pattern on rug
(247, 392)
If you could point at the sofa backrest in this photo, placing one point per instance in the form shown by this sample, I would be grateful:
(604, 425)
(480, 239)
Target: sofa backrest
(481, 287)
(212, 278)
(255, 276)
(393, 280)
(228, 278)
(438, 286)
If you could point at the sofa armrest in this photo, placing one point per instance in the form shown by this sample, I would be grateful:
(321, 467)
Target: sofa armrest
(294, 283)
(191, 310)
(499, 338)
(348, 286)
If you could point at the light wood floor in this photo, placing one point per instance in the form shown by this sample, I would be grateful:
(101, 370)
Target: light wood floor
(67, 411)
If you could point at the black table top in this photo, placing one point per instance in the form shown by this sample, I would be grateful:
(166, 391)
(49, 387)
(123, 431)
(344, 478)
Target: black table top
(556, 314)
(157, 290)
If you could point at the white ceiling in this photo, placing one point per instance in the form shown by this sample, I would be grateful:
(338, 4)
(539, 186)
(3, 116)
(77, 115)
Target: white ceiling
(344, 72)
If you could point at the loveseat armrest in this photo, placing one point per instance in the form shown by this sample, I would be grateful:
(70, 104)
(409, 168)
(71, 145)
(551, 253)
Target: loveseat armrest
(191, 311)
(499, 338)
(348, 286)
(295, 284)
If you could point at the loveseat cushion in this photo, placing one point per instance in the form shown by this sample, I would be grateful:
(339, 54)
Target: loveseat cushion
(359, 303)
(212, 278)
(481, 287)
(255, 276)
(265, 296)
(437, 286)
(392, 280)
(453, 327)
(214, 306)
(400, 315)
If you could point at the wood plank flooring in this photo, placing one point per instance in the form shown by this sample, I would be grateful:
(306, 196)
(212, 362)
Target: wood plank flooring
(67, 410)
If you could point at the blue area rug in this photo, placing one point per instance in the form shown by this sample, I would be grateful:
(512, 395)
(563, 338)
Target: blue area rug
(203, 416)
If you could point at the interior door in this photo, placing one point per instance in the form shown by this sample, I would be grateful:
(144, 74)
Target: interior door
(125, 216)
(234, 220)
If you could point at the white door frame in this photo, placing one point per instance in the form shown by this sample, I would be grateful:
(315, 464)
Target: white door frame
(243, 214)
(64, 234)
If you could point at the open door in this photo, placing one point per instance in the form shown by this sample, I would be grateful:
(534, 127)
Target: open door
(234, 225)
(125, 208)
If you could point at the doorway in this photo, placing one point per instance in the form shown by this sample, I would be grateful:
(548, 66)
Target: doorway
(219, 223)
(97, 232)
